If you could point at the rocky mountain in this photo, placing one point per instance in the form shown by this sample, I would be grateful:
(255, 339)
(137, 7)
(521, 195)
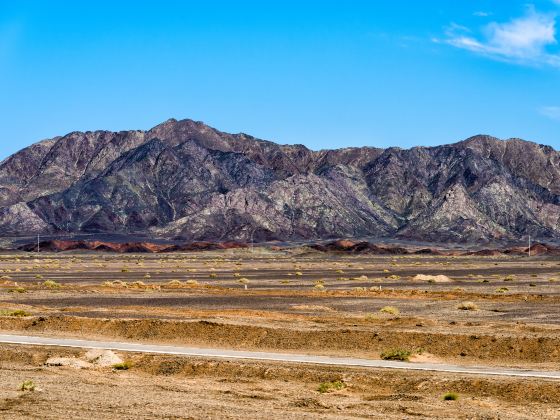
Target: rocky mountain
(186, 180)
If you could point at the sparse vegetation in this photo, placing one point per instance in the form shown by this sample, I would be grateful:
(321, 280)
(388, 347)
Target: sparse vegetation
(450, 396)
(123, 366)
(331, 386)
(27, 385)
(396, 354)
(51, 284)
(15, 312)
(390, 310)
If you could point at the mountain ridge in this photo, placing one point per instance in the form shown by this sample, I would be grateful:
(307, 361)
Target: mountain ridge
(184, 179)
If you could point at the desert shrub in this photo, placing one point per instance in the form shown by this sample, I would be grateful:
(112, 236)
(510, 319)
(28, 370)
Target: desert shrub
(17, 290)
(174, 283)
(14, 312)
(243, 280)
(119, 283)
(393, 277)
(123, 366)
(236, 274)
(450, 396)
(27, 385)
(510, 277)
(51, 284)
(331, 386)
(468, 306)
(298, 273)
(502, 289)
(192, 282)
(361, 278)
(147, 276)
(390, 310)
(396, 354)
(319, 286)
(371, 317)
(125, 270)
(38, 276)
(137, 283)
(213, 275)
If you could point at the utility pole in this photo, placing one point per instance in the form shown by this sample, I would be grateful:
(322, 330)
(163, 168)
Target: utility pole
(38, 243)
(529, 245)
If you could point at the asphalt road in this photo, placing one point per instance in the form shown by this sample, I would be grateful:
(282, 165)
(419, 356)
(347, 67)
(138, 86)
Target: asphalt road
(277, 357)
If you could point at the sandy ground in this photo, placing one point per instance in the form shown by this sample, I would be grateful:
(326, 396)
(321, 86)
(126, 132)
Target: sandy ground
(282, 301)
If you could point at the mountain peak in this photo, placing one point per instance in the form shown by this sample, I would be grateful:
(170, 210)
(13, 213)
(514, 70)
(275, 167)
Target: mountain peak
(184, 179)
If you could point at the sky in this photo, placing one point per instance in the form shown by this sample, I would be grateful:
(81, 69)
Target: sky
(326, 74)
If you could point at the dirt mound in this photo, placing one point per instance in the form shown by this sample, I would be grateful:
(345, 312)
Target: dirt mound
(93, 358)
(102, 358)
(56, 245)
(432, 279)
(362, 247)
(206, 246)
(513, 348)
(68, 362)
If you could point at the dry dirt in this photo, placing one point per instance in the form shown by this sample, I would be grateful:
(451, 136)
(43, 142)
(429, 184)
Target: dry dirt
(281, 301)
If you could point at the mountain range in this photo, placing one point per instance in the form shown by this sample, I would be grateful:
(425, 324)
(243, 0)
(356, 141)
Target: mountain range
(187, 181)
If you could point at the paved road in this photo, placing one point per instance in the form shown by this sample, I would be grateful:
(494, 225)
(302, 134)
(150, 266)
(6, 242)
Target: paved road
(277, 357)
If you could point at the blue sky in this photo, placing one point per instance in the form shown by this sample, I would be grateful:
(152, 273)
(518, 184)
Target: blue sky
(322, 73)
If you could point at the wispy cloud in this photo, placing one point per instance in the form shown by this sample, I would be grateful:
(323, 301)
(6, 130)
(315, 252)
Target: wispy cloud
(529, 40)
(480, 13)
(552, 112)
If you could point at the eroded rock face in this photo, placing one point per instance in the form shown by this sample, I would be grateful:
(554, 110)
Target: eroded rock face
(185, 180)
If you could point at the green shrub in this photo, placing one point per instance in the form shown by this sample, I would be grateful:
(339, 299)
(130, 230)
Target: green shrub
(27, 385)
(15, 312)
(17, 290)
(51, 284)
(396, 354)
(390, 310)
(122, 366)
(331, 386)
(450, 396)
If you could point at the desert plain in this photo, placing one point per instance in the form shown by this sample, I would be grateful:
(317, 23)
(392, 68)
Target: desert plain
(500, 311)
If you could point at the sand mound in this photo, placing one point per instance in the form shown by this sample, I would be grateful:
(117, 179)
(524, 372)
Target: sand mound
(433, 279)
(102, 357)
(93, 358)
(68, 361)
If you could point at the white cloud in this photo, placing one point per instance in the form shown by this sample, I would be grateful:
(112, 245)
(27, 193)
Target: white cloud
(552, 112)
(529, 39)
(484, 14)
